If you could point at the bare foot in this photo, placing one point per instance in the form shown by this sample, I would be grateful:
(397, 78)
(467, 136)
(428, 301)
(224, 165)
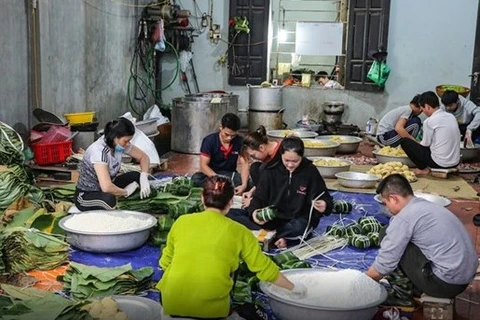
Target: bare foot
(421, 171)
(281, 243)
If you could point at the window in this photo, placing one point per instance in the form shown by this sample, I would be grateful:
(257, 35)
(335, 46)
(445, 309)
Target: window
(254, 57)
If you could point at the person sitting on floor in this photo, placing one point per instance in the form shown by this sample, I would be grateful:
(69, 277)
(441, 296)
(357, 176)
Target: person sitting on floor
(324, 80)
(415, 253)
(297, 191)
(440, 145)
(401, 122)
(203, 250)
(99, 184)
(220, 153)
(264, 152)
(466, 113)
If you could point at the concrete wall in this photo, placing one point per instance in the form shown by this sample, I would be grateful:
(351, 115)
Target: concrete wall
(86, 49)
(429, 44)
(14, 102)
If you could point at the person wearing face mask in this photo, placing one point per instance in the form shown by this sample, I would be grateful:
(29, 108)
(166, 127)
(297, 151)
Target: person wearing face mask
(99, 184)
(466, 113)
(292, 186)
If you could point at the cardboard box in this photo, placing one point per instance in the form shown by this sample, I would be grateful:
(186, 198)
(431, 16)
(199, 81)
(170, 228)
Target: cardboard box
(437, 308)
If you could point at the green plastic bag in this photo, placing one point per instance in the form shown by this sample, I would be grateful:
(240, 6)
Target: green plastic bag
(379, 72)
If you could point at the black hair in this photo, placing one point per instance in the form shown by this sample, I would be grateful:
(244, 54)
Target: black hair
(394, 184)
(430, 98)
(217, 192)
(415, 100)
(297, 74)
(321, 74)
(231, 121)
(449, 97)
(294, 144)
(118, 128)
(255, 139)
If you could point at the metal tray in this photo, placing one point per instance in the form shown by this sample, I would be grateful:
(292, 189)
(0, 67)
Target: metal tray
(348, 144)
(360, 180)
(384, 159)
(139, 308)
(330, 171)
(280, 134)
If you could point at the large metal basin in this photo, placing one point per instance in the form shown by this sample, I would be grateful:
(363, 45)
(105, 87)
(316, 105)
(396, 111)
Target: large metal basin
(330, 171)
(384, 159)
(265, 99)
(470, 154)
(294, 310)
(327, 150)
(229, 98)
(192, 120)
(352, 179)
(107, 242)
(301, 133)
(348, 144)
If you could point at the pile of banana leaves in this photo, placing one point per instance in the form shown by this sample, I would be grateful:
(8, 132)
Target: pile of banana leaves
(27, 249)
(11, 146)
(246, 281)
(30, 303)
(84, 282)
(60, 193)
(18, 182)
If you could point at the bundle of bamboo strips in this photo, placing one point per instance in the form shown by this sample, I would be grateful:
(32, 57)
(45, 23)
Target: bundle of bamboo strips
(317, 245)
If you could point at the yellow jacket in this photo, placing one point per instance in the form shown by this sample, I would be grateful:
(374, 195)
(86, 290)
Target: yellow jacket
(203, 251)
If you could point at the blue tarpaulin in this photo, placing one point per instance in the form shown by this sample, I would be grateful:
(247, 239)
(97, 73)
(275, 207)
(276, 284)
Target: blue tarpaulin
(346, 258)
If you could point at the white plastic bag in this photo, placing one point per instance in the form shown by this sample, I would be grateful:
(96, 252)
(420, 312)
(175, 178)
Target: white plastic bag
(143, 142)
(154, 112)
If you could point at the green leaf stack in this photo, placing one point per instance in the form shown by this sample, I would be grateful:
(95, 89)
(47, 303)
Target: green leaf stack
(85, 282)
(27, 249)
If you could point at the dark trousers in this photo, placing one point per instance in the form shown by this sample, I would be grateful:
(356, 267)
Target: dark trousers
(418, 270)
(392, 138)
(284, 228)
(420, 155)
(99, 200)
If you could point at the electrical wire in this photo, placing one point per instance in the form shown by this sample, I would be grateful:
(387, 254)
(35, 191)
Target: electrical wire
(139, 5)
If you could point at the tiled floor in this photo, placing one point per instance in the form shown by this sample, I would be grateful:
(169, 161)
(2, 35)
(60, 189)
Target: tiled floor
(467, 304)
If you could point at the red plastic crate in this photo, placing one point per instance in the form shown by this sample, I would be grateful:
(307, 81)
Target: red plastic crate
(52, 153)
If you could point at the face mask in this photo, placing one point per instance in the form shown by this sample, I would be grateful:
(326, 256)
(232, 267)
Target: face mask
(119, 148)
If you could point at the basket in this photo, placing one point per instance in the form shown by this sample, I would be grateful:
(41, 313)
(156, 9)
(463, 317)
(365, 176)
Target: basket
(52, 153)
(440, 89)
(55, 134)
(80, 117)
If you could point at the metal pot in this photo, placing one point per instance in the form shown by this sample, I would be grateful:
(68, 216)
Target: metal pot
(333, 107)
(229, 98)
(243, 115)
(192, 121)
(265, 99)
(332, 118)
(470, 154)
(271, 120)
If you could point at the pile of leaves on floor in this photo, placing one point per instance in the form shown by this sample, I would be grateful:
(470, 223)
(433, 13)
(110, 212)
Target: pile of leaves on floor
(27, 249)
(30, 303)
(84, 282)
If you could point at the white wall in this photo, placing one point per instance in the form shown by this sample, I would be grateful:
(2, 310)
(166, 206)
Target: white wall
(430, 43)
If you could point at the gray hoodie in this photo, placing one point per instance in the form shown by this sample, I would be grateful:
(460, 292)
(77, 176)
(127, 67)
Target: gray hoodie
(467, 113)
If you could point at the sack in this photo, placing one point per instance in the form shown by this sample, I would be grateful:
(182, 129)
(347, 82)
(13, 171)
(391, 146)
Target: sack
(379, 72)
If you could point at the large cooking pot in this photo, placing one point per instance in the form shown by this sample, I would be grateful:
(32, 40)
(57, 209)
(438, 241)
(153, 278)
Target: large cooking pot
(333, 107)
(265, 98)
(192, 121)
(229, 98)
(271, 120)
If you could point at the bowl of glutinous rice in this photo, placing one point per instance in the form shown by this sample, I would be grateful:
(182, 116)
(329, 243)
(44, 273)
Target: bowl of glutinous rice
(333, 295)
(107, 231)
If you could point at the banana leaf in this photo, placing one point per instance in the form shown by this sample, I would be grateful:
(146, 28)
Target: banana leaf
(48, 222)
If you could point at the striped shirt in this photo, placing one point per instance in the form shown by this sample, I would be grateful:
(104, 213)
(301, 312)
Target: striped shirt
(98, 152)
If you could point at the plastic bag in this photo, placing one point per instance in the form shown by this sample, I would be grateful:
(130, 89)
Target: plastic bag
(379, 72)
(154, 112)
(143, 142)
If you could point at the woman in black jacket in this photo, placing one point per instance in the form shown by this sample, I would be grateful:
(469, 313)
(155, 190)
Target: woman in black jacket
(297, 191)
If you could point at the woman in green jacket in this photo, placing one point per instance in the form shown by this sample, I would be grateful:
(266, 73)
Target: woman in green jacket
(203, 250)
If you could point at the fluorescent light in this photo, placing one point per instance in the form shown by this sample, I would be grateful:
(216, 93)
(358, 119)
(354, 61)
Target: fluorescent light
(282, 35)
